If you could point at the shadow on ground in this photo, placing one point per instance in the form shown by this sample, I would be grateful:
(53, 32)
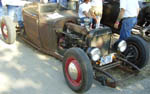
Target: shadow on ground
(24, 70)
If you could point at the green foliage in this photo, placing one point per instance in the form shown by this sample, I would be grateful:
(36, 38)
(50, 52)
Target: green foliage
(147, 0)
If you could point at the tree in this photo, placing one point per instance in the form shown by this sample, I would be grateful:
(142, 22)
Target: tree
(147, 0)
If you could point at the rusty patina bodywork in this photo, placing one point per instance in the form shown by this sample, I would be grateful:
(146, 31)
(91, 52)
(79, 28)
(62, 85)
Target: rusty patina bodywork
(57, 31)
(41, 30)
(44, 30)
(84, 51)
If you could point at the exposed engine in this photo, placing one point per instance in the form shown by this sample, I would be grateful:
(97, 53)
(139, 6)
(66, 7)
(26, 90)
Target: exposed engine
(72, 39)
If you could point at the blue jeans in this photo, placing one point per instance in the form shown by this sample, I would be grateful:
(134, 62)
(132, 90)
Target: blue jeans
(63, 3)
(1, 10)
(52, 1)
(82, 19)
(15, 10)
(127, 25)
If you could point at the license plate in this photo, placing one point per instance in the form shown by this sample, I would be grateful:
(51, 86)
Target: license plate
(106, 60)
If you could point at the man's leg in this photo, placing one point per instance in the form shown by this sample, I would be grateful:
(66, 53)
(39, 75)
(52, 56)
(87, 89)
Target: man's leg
(19, 17)
(82, 21)
(127, 25)
(11, 10)
(125, 32)
(15, 10)
(1, 10)
(98, 21)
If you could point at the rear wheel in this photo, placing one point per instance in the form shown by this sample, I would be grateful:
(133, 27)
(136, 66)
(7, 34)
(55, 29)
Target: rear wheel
(137, 51)
(8, 30)
(77, 70)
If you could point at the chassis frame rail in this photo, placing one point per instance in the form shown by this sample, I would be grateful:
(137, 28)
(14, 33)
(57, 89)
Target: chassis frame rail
(114, 82)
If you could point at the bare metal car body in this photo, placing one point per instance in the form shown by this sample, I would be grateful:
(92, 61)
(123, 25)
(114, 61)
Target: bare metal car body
(39, 28)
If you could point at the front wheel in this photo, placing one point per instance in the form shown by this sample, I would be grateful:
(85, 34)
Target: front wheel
(137, 51)
(77, 70)
(8, 30)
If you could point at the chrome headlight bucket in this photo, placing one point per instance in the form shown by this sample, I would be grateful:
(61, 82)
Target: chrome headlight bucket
(94, 53)
(122, 46)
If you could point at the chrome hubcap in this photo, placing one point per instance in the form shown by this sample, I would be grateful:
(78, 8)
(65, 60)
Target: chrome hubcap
(73, 72)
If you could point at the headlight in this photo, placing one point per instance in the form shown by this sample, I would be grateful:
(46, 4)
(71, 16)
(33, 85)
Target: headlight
(122, 46)
(95, 54)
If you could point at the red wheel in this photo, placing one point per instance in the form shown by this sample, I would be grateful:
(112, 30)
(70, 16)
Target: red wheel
(77, 70)
(4, 30)
(73, 71)
(8, 30)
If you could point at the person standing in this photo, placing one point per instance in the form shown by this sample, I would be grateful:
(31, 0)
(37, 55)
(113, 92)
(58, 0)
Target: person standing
(44, 1)
(14, 8)
(96, 11)
(129, 10)
(53, 1)
(1, 10)
(84, 10)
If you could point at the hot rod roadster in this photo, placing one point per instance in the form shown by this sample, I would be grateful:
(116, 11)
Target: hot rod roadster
(57, 31)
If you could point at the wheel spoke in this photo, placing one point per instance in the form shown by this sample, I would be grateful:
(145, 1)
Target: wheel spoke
(132, 53)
